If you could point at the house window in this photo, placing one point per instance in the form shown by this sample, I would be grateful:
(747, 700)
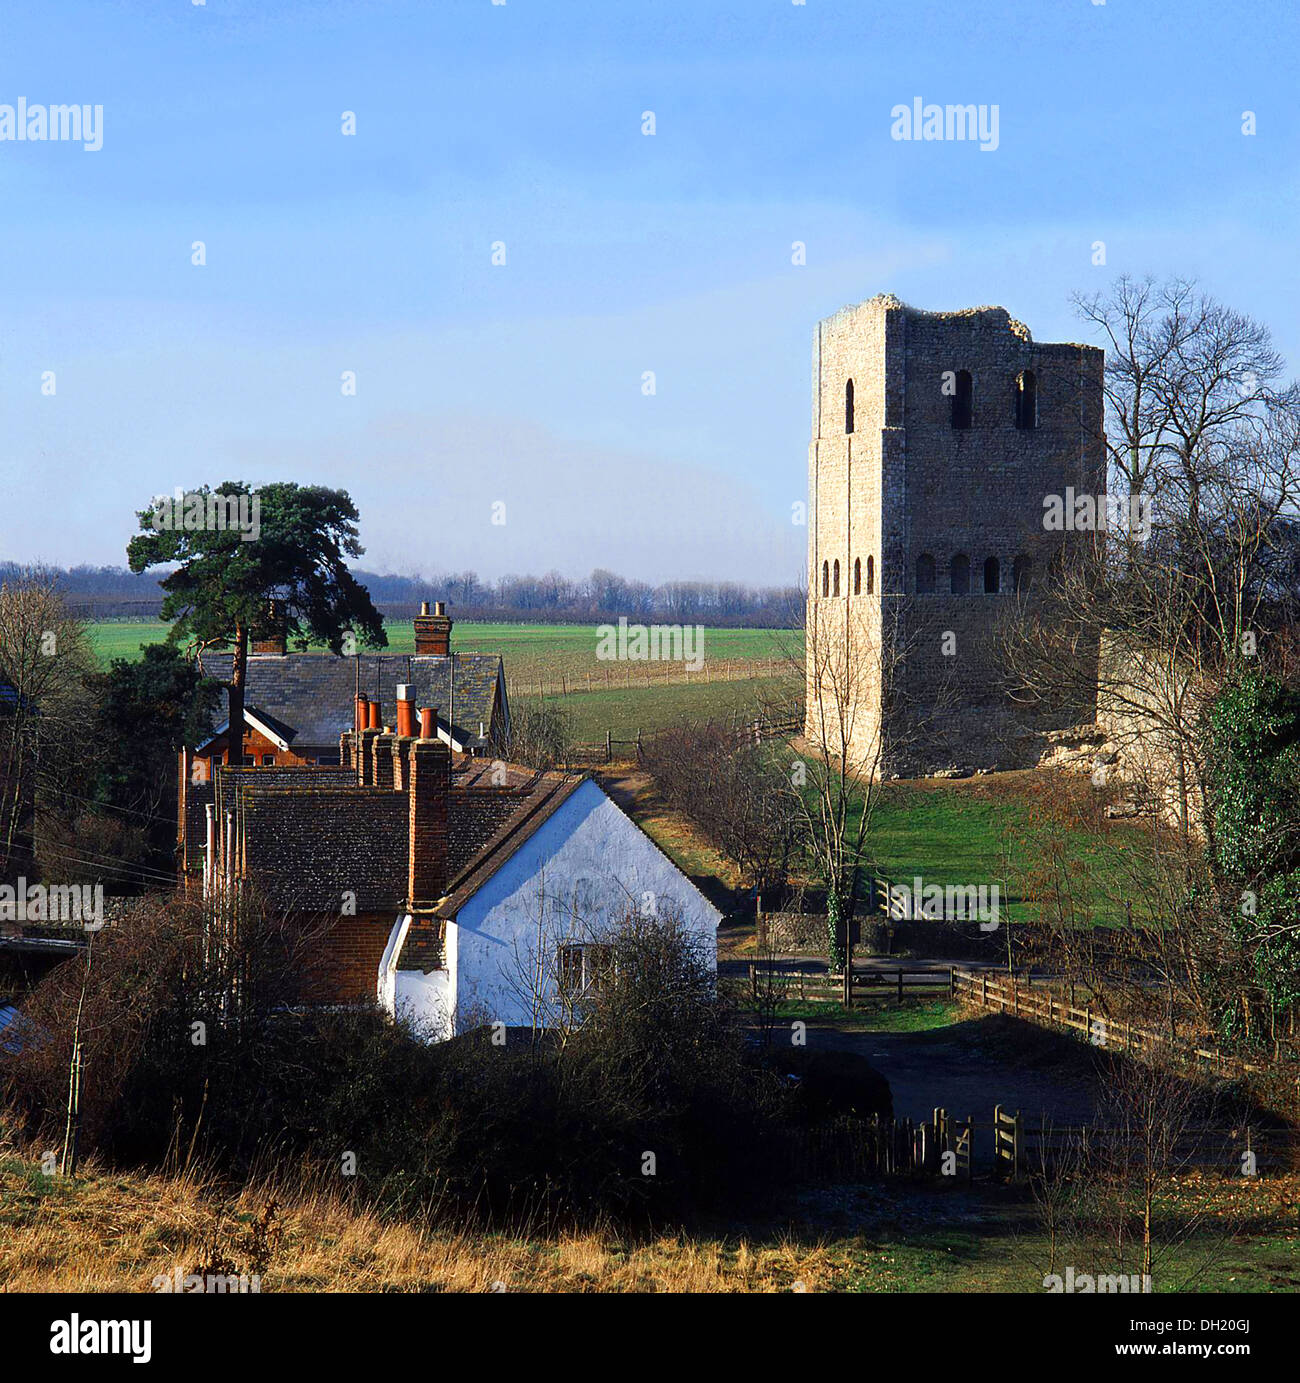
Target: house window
(1026, 400)
(328, 760)
(826, 578)
(268, 760)
(835, 578)
(871, 575)
(1020, 573)
(583, 967)
(963, 400)
(848, 407)
(960, 575)
(925, 574)
(857, 576)
(991, 576)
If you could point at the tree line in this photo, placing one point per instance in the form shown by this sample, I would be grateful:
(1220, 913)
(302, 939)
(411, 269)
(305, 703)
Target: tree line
(116, 593)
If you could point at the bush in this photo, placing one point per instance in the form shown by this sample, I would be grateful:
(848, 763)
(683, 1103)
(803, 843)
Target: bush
(648, 1112)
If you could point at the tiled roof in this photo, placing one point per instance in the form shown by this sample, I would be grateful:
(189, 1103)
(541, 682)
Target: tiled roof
(311, 834)
(313, 694)
(534, 803)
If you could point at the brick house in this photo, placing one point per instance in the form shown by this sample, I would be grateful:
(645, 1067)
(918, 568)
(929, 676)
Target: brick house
(297, 704)
(451, 889)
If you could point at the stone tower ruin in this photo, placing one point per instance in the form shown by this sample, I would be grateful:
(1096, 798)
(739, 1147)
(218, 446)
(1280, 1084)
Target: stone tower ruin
(936, 437)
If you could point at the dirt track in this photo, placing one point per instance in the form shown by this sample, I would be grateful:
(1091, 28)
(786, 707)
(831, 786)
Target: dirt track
(976, 1064)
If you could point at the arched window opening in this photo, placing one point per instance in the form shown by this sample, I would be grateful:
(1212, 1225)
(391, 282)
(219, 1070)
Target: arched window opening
(871, 576)
(835, 578)
(848, 407)
(960, 574)
(826, 578)
(1026, 400)
(857, 576)
(925, 574)
(991, 576)
(963, 400)
(1020, 570)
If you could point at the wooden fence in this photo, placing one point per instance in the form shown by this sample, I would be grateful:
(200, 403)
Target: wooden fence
(1024, 997)
(898, 981)
(1009, 1147)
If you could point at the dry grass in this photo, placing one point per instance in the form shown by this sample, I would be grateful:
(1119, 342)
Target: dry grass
(111, 1232)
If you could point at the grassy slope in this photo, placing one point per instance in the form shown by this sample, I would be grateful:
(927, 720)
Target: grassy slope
(109, 1231)
(959, 832)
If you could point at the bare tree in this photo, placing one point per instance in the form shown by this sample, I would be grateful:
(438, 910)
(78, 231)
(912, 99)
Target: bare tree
(46, 744)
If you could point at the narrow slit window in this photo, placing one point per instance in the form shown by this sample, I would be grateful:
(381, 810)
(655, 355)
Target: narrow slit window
(848, 407)
(871, 576)
(1026, 400)
(991, 576)
(960, 575)
(835, 578)
(963, 400)
(857, 576)
(826, 578)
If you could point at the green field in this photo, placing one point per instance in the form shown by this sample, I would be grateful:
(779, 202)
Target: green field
(533, 652)
(624, 712)
(564, 655)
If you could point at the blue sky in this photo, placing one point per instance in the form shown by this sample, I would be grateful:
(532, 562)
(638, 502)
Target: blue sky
(522, 384)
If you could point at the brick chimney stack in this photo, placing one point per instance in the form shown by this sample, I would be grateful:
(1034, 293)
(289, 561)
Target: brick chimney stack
(366, 755)
(433, 631)
(271, 634)
(405, 709)
(430, 765)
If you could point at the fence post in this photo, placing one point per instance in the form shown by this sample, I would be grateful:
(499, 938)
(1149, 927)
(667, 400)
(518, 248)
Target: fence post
(900, 984)
(952, 981)
(1015, 995)
(984, 989)
(609, 746)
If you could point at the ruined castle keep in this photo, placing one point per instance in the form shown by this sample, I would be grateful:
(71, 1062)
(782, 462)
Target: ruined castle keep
(936, 437)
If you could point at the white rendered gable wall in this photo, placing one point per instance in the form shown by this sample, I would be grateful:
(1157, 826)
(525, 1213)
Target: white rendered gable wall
(589, 854)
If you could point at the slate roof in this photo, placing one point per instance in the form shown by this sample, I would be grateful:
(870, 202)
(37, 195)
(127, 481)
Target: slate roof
(312, 694)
